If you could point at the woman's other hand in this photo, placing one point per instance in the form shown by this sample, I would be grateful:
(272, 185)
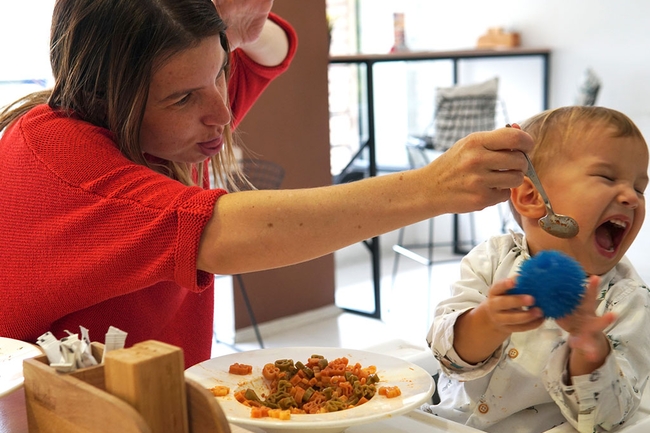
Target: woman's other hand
(245, 19)
(250, 30)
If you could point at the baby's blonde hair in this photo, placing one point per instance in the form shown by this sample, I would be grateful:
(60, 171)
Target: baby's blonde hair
(553, 131)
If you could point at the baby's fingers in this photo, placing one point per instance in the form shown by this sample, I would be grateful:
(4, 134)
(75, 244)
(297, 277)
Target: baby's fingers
(514, 312)
(590, 343)
(500, 289)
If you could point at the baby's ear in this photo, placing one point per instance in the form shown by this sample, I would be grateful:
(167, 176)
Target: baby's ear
(527, 201)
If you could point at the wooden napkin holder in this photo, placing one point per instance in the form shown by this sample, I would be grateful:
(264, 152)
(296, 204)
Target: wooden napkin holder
(79, 402)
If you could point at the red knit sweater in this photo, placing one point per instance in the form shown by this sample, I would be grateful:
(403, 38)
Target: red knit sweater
(89, 238)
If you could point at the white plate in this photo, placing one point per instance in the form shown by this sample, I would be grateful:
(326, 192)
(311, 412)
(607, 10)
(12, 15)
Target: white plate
(12, 354)
(416, 385)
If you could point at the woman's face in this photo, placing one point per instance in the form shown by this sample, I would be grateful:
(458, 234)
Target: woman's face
(187, 108)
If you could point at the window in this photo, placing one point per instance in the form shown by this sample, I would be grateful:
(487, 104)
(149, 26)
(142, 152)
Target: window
(343, 85)
(24, 48)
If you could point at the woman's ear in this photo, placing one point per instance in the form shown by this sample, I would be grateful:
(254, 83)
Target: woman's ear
(527, 201)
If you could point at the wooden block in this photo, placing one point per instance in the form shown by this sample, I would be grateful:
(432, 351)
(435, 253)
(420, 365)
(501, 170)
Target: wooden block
(205, 414)
(77, 402)
(150, 377)
(59, 402)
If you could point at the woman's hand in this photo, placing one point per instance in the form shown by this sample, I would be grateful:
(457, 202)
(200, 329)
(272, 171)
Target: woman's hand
(479, 170)
(245, 19)
(589, 345)
(250, 30)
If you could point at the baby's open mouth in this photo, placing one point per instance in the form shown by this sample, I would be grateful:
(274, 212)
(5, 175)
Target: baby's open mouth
(610, 234)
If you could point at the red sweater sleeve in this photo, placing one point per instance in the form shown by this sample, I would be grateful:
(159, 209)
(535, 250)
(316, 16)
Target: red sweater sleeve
(249, 79)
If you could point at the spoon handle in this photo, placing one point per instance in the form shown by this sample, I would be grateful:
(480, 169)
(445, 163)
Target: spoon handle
(532, 175)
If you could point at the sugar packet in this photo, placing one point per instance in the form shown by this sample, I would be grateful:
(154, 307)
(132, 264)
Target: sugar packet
(115, 339)
(71, 353)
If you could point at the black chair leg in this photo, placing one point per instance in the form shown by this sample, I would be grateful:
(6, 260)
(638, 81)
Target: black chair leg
(435, 398)
(240, 280)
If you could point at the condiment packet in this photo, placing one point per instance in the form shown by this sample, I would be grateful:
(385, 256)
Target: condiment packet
(57, 355)
(115, 339)
(71, 353)
(71, 348)
(64, 367)
(87, 358)
(51, 347)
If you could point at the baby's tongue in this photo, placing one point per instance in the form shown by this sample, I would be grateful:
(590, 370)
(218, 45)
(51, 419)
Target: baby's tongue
(604, 237)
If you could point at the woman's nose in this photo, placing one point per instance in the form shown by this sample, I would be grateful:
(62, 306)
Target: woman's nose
(217, 109)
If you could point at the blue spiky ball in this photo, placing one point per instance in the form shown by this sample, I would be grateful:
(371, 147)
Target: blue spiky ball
(555, 280)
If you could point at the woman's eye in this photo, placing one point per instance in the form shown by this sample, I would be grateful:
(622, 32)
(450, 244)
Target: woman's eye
(183, 100)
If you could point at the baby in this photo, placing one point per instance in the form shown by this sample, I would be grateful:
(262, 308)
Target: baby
(506, 368)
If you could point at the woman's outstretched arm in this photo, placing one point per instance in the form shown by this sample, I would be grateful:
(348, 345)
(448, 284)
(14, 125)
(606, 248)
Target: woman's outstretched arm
(256, 230)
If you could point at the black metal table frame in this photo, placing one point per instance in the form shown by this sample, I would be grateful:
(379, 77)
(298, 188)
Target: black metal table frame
(454, 56)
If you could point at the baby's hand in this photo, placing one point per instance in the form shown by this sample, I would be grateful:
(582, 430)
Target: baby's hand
(480, 331)
(511, 313)
(586, 328)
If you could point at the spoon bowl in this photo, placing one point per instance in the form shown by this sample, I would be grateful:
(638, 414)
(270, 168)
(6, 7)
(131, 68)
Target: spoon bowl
(561, 226)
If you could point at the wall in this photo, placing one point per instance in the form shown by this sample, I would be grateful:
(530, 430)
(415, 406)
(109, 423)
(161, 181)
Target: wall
(610, 37)
(289, 125)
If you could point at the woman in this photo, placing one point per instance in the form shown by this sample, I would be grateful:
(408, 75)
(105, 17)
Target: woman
(104, 222)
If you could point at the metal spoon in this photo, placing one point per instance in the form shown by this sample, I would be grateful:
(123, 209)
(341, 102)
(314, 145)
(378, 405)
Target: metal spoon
(561, 226)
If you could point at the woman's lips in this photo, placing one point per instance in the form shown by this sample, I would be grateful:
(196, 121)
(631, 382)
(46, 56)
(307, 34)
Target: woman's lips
(212, 147)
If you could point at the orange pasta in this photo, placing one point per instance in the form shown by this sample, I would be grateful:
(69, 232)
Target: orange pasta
(270, 371)
(390, 391)
(220, 391)
(241, 369)
(315, 387)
